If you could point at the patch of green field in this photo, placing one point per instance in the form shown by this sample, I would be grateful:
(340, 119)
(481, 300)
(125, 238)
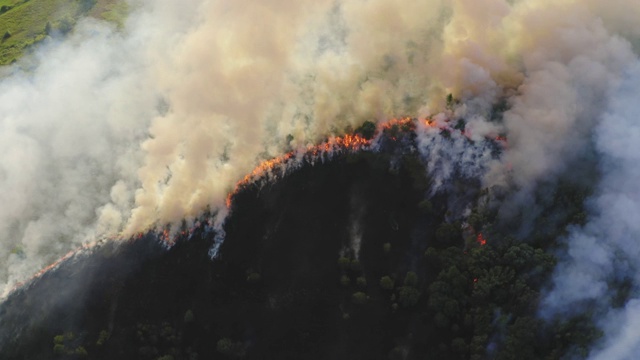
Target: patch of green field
(8, 2)
(25, 22)
(111, 10)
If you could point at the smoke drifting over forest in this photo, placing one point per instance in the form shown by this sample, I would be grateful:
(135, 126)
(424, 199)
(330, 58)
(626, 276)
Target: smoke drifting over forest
(107, 132)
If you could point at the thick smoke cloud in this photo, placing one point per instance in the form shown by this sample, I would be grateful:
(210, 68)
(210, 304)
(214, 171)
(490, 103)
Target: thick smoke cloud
(69, 130)
(605, 251)
(109, 133)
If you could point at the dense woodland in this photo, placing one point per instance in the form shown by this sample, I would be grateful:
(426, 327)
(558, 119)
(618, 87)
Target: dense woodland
(290, 284)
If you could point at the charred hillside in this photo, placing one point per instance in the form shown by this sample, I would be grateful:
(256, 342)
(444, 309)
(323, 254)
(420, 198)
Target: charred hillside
(345, 259)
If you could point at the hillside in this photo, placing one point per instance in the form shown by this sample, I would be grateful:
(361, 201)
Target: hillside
(340, 260)
(26, 22)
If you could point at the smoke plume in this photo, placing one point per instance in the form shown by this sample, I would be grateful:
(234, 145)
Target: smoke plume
(603, 254)
(107, 133)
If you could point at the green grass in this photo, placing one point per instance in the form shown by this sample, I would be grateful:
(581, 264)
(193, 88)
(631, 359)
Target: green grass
(110, 10)
(9, 2)
(26, 21)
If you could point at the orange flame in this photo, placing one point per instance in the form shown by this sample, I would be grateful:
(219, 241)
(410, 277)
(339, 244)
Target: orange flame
(348, 142)
(406, 121)
(351, 142)
(481, 240)
(54, 265)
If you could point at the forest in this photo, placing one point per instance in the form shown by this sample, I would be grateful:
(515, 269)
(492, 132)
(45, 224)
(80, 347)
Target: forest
(290, 283)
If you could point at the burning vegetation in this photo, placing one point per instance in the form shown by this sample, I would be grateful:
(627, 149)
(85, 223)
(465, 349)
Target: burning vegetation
(282, 267)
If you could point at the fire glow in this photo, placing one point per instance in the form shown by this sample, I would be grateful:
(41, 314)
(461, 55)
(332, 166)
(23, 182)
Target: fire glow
(277, 166)
(481, 240)
(68, 256)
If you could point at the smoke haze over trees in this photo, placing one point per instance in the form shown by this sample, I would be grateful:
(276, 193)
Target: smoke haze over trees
(111, 131)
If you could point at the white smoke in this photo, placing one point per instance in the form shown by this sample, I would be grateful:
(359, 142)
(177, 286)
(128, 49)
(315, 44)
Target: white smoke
(68, 134)
(457, 155)
(114, 132)
(606, 249)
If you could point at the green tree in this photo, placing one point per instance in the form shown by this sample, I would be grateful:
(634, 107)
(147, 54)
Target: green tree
(359, 298)
(426, 207)
(411, 279)
(228, 347)
(448, 233)
(188, 317)
(386, 283)
(367, 130)
(59, 349)
(459, 346)
(81, 352)
(224, 346)
(343, 263)
(102, 337)
(254, 277)
(408, 296)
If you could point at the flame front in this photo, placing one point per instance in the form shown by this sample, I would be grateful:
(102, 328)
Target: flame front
(349, 142)
(277, 166)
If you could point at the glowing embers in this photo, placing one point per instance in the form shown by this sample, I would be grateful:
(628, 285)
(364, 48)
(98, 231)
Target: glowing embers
(481, 240)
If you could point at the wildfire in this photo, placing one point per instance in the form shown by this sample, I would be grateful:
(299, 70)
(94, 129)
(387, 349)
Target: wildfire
(481, 240)
(430, 122)
(349, 142)
(277, 166)
(56, 264)
(403, 122)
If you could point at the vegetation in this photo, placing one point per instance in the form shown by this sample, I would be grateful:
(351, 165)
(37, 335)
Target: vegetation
(26, 22)
(288, 286)
(386, 283)
(366, 130)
